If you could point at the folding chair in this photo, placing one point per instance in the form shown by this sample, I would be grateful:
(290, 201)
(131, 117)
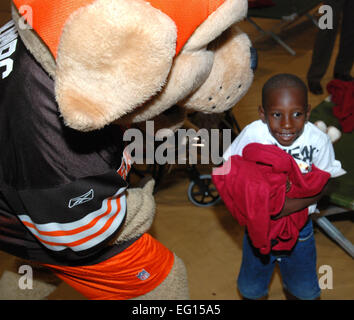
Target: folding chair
(341, 200)
(285, 11)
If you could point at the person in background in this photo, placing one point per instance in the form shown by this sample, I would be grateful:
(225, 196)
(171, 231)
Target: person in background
(343, 11)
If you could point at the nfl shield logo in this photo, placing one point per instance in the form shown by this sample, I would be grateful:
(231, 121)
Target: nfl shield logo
(143, 275)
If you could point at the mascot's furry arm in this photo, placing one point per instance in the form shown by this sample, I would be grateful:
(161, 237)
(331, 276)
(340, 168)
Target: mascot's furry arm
(129, 61)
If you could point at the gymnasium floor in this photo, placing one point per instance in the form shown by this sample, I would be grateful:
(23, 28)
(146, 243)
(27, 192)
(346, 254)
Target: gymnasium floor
(209, 240)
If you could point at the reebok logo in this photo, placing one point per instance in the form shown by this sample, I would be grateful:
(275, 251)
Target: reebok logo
(88, 196)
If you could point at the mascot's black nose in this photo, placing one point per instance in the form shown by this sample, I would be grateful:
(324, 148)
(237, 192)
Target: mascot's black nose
(254, 59)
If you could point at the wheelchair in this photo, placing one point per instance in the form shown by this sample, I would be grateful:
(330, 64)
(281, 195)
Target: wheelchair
(201, 190)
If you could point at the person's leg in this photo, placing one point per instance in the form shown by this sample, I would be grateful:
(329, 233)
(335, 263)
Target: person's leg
(322, 50)
(345, 58)
(255, 272)
(298, 270)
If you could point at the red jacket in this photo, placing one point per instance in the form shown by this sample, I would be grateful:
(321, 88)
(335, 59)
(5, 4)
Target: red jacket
(342, 95)
(253, 190)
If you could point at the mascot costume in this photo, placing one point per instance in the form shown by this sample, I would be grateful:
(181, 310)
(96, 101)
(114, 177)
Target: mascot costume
(74, 75)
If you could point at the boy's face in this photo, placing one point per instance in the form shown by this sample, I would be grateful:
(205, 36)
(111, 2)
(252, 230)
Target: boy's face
(285, 113)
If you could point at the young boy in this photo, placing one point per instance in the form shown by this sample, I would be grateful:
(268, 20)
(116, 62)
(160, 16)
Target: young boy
(284, 122)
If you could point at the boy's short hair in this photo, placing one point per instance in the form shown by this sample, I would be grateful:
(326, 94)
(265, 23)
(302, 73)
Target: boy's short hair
(283, 80)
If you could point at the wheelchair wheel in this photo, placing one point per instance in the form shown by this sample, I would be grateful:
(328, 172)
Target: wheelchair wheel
(203, 192)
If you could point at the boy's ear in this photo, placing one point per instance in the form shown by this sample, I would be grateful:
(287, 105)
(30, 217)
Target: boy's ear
(308, 112)
(261, 113)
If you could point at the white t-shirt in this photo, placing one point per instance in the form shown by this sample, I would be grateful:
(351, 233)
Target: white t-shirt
(312, 147)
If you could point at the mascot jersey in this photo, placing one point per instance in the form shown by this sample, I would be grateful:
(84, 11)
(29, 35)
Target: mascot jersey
(61, 197)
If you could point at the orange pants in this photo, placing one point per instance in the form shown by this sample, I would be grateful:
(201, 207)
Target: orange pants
(135, 271)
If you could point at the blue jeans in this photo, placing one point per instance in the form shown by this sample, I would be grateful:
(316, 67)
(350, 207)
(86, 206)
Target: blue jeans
(297, 268)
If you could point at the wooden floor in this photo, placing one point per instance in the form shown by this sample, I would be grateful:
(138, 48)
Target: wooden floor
(209, 240)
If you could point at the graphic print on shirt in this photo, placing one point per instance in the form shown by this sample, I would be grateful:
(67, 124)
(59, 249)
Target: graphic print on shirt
(305, 154)
(8, 42)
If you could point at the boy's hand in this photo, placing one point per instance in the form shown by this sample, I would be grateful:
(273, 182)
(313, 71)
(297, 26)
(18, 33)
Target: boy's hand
(294, 205)
(288, 185)
(284, 213)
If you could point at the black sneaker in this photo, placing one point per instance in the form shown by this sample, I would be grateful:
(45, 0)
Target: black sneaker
(343, 77)
(315, 87)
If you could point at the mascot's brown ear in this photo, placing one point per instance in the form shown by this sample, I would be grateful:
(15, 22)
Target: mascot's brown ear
(112, 57)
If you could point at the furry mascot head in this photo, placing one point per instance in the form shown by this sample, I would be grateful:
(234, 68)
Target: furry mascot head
(128, 61)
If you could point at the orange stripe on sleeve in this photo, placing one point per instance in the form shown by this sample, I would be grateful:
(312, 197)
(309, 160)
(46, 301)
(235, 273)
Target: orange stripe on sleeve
(81, 241)
(73, 231)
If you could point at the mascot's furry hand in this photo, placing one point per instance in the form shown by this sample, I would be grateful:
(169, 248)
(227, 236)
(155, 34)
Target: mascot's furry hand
(140, 211)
